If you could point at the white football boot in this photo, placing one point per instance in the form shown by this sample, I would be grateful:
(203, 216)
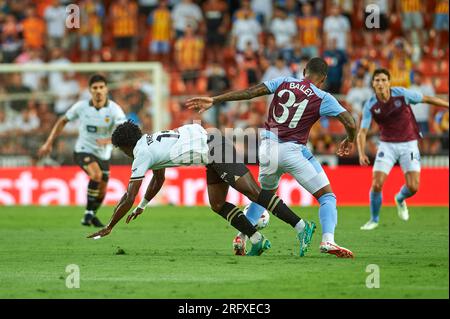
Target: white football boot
(402, 209)
(369, 225)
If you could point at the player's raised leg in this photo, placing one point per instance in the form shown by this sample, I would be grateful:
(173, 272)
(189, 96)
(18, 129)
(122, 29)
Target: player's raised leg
(217, 193)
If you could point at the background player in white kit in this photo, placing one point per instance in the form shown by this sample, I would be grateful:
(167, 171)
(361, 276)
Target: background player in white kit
(97, 117)
(390, 109)
(192, 145)
(295, 107)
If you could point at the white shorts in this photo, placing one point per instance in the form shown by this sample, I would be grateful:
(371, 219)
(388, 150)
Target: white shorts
(276, 158)
(406, 153)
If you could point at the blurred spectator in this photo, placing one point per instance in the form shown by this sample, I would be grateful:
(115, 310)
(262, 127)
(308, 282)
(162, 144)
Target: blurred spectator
(268, 52)
(263, 10)
(161, 32)
(33, 28)
(284, 29)
(441, 22)
(336, 60)
(347, 8)
(186, 13)
(15, 87)
(217, 24)
(278, 69)
(422, 111)
(55, 18)
(124, 17)
(189, 51)
(357, 96)
(27, 122)
(47, 117)
(383, 29)
(401, 72)
(309, 27)
(245, 30)
(248, 68)
(55, 77)
(33, 80)
(5, 125)
(92, 13)
(440, 126)
(66, 93)
(218, 83)
(9, 39)
(337, 27)
(412, 24)
(365, 65)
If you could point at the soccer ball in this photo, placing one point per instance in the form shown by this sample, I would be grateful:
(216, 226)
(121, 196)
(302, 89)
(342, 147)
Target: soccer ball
(263, 221)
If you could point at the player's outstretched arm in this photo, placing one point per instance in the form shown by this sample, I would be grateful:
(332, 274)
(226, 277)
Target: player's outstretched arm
(350, 127)
(204, 103)
(125, 204)
(361, 144)
(56, 131)
(153, 188)
(435, 101)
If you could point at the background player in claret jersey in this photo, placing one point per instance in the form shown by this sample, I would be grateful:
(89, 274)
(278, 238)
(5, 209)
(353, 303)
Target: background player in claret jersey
(97, 117)
(191, 145)
(399, 132)
(295, 107)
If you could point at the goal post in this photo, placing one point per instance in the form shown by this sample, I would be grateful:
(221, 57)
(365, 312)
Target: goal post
(159, 81)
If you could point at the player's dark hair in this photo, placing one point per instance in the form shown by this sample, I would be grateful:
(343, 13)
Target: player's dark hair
(97, 78)
(317, 66)
(381, 71)
(126, 134)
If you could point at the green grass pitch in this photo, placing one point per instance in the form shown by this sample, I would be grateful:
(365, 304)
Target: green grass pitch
(177, 252)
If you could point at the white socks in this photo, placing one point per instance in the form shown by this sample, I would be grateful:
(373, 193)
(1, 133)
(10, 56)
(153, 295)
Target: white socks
(300, 226)
(328, 237)
(255, 238)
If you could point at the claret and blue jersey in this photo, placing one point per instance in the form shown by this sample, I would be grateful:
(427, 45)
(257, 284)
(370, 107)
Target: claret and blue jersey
(395, 117)
(296, 106)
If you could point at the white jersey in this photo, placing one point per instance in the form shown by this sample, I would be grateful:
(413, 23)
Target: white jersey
(95, 124)
(184, 146)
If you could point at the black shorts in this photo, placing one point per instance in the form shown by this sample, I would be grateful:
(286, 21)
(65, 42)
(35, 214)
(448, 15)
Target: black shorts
(84, 159)
(225, 165)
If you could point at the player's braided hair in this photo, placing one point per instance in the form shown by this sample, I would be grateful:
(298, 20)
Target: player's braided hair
(126, 134)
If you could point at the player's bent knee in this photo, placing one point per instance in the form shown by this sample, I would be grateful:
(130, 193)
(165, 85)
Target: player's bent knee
(216, 206)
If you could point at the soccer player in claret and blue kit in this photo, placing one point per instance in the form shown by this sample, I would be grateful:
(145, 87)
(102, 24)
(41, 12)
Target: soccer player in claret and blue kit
(399, 133)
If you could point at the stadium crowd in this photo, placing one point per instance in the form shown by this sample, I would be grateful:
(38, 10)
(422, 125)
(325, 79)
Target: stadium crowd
(212, 46)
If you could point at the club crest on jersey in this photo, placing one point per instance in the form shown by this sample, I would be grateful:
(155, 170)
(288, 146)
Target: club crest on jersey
(87, 159)
(398, 103)
(377, 111)
(107, 119)
(381, 154)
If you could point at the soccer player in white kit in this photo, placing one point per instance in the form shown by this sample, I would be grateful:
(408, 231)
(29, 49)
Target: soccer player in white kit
(390, 109)
(97, 119)
(296, 106)
(192, 145)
